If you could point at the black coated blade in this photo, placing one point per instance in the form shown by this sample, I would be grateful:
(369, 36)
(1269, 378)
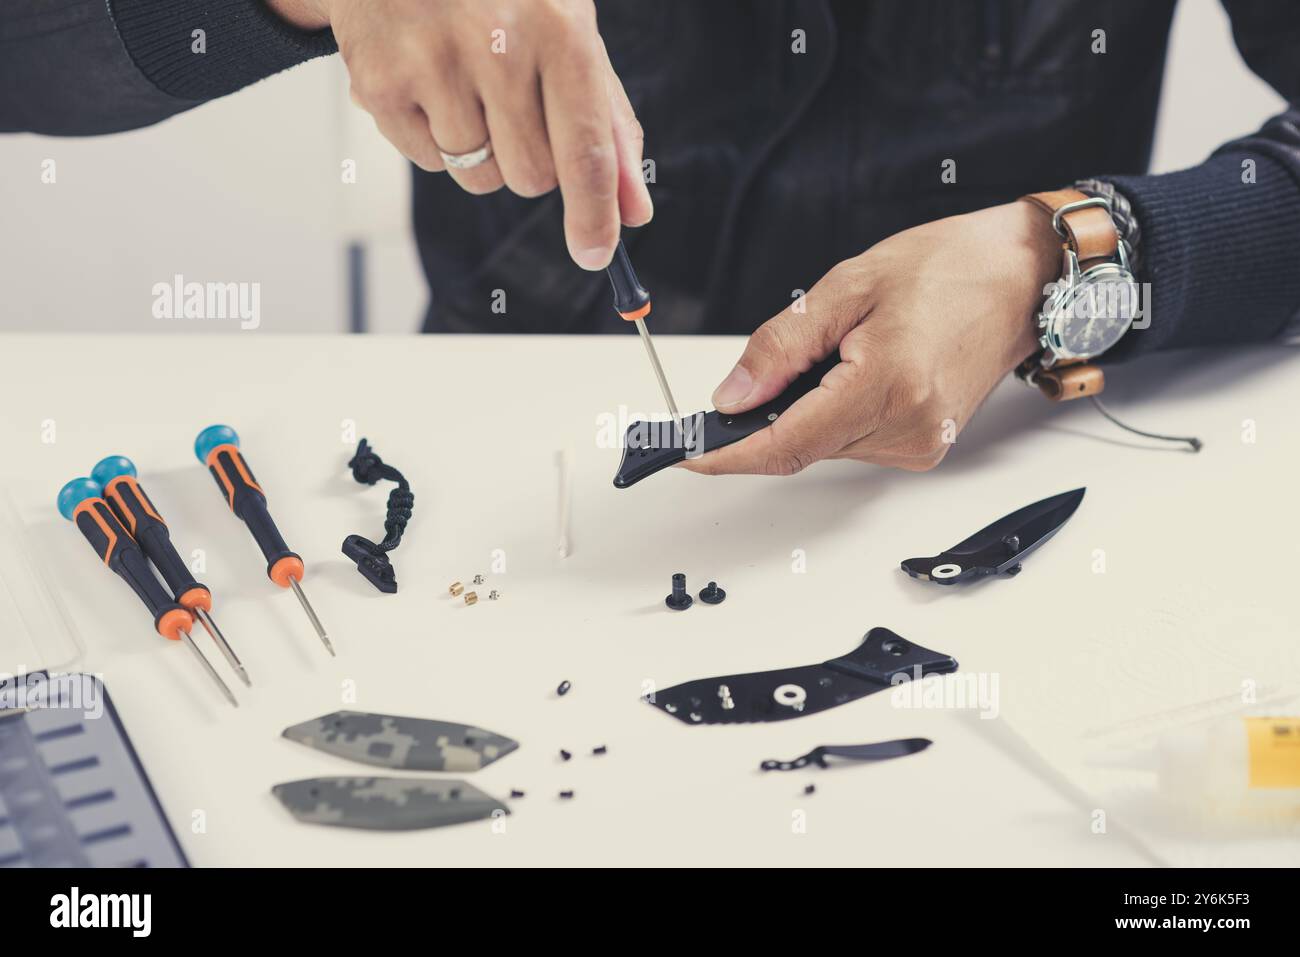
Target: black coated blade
(650, 447)
(1000, 546)
(793, 692)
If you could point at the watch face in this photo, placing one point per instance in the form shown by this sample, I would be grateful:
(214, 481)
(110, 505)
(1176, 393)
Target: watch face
(1089, 317)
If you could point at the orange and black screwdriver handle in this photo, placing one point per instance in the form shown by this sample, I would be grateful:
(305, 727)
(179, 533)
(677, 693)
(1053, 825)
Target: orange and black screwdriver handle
(119, 551)
(631, 300)
(218, 448)
(132, 507)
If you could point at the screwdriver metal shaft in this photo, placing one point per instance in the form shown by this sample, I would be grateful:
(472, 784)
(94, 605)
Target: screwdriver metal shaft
(212, 673)
(232, 659)
(659, 371)
(311, 613)
(632, 302)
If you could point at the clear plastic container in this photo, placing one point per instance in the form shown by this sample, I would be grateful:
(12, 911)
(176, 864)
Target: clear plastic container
(36, 631)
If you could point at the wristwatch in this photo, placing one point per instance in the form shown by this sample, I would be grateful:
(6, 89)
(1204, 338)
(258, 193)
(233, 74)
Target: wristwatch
(1090, 307)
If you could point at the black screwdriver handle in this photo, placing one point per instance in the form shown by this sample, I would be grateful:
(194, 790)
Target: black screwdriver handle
(133, 508)
(245, 497)
(119, 551)
(631, 300)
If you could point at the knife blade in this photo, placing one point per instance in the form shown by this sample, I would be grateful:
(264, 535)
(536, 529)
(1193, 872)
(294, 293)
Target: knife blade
(998, 548)
(385, 804)
(650, 447)
(808, 689)
(408, 744)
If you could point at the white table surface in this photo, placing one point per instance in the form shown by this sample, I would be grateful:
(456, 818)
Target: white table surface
(474, 423)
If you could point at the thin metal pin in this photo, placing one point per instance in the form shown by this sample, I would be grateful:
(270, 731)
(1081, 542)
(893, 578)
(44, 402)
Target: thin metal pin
(211, 628)
(659, 373)
(209, 669)
(315, 622)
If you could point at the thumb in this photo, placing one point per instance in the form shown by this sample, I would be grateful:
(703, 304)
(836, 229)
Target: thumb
(795, 340)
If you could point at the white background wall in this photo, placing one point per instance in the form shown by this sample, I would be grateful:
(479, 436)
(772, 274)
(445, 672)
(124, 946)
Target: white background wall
(248, 189)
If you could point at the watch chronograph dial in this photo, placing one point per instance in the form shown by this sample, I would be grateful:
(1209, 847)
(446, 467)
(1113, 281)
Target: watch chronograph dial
(1093, 315)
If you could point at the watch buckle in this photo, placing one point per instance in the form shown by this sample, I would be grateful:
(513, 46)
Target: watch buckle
(1088, 203)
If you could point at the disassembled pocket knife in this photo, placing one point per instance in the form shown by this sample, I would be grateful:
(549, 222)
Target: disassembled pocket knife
(794, 692)
(997, 549)
(408, 744)
(876, 751)
(650, 447)
(386, 804)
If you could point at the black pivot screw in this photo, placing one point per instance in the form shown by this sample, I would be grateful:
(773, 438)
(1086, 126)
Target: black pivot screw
(712, 594)
(679, 600)
(1012, 543)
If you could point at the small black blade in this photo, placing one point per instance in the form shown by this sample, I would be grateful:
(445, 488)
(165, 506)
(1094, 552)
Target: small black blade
(998, 547)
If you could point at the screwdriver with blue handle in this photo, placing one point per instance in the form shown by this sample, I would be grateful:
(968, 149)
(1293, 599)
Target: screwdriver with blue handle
(80, 502)
(217, 447)
(116, 475)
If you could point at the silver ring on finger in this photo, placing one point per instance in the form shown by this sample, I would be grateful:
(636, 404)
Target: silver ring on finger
(468, 160)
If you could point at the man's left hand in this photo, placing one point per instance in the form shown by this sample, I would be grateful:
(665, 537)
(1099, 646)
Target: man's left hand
(927, 322)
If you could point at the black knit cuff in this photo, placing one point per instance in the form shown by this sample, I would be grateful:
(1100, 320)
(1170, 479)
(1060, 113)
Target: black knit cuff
(244, 40)
(1219, 253)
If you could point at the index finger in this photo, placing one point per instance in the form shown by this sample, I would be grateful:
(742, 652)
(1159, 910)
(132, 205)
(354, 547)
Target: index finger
(819, 424)
(580, 126)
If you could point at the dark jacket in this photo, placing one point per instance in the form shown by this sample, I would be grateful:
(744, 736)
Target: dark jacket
(771, 165)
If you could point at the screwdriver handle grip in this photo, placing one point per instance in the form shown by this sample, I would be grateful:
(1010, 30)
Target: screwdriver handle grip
(630, 297)
(119, 551)
(134, 510)
(245, 497)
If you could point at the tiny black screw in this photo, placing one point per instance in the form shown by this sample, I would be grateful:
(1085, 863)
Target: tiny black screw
(712, 594)
(809, 789)
(679, 600)
(566, 794)
(599, 750)
(1012, 542)
(564, 755)
(564, 687)
(516, 793)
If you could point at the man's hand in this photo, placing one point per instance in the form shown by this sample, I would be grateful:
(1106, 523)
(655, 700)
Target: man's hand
(437, 77)
(927, 323)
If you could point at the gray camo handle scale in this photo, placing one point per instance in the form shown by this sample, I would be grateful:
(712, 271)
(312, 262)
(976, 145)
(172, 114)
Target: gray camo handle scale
(650, 447)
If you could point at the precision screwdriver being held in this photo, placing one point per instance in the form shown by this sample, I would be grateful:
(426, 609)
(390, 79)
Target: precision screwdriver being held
(632, 302)
(80, 503)
(217, 447)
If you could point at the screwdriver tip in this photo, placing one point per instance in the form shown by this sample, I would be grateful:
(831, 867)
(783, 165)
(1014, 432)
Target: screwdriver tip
(328, 646)
(243, 676)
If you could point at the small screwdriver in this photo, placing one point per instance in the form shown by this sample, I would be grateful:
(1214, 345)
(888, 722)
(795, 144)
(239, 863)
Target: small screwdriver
(632, 302)
(80, 502)
(217, 447)
(116, 475)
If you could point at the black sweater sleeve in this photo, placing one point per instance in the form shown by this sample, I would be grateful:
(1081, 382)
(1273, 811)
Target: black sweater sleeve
(101, 66)
(1221, 241)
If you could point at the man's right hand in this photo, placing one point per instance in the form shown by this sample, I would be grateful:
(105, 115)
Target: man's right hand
(437, 77)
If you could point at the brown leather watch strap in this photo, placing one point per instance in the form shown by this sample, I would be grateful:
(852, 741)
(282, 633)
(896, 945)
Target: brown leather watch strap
(1090, 232)
(1064, 382)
